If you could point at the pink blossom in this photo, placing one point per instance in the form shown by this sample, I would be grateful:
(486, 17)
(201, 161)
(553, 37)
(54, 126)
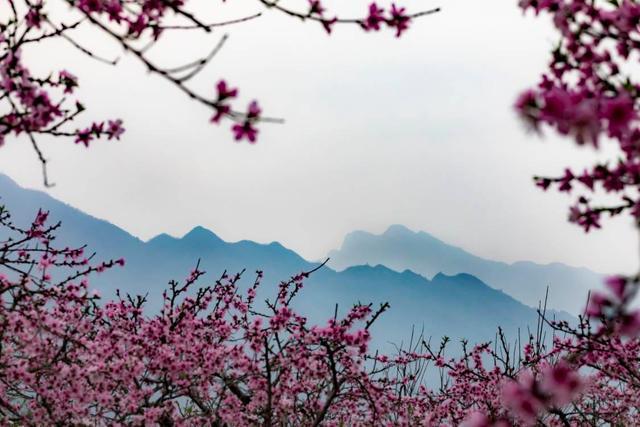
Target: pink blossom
(520, 397)
(115, 129)
(630, 324)
(561, 382)
(399, 19)
(246, 129)
(68, 80)
(34, 16)
(84, 137)
(374, 19)
(618, 112)
(328, 24)
(316, 7)
(597, 304)
(617, 285)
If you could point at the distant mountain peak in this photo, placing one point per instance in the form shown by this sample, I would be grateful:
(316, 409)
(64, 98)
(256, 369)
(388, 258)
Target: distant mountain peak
(201, 234)
(162, 237)
(394, 231)
(400, 248)
(398, 229)
(370, 269)
(198, 236)
(464, 278)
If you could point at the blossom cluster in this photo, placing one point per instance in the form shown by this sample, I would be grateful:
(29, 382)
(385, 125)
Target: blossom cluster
(34, 112)
(590, 94)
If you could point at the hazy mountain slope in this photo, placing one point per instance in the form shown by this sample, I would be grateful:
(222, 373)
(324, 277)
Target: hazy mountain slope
(400, 248)
(104, 237)
(458, 306)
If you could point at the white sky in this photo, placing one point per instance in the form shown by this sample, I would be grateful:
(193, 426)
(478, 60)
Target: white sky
(417, 131)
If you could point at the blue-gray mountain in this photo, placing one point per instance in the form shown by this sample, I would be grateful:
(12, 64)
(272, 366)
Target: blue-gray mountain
(459, 306)
(400, 248)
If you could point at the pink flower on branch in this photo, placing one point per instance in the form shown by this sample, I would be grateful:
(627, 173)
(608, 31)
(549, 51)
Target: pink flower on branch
(246, 128)
(585, 94)
(374, 19)
(399, 20)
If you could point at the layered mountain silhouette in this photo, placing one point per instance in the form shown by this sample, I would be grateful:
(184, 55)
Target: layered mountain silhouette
(458, 306)
(400, 248)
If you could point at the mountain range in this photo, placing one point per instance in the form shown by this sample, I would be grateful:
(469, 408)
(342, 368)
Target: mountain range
(458, 305)
(400, 248)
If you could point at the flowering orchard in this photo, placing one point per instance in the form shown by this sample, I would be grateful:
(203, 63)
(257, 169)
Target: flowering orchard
(36, 106)
(211, 357)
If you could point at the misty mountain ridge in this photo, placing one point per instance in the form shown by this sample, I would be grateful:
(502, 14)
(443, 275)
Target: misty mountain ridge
(400, 248)
(456, 305)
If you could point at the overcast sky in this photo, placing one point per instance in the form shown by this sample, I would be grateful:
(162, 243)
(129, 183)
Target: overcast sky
(417, 131)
